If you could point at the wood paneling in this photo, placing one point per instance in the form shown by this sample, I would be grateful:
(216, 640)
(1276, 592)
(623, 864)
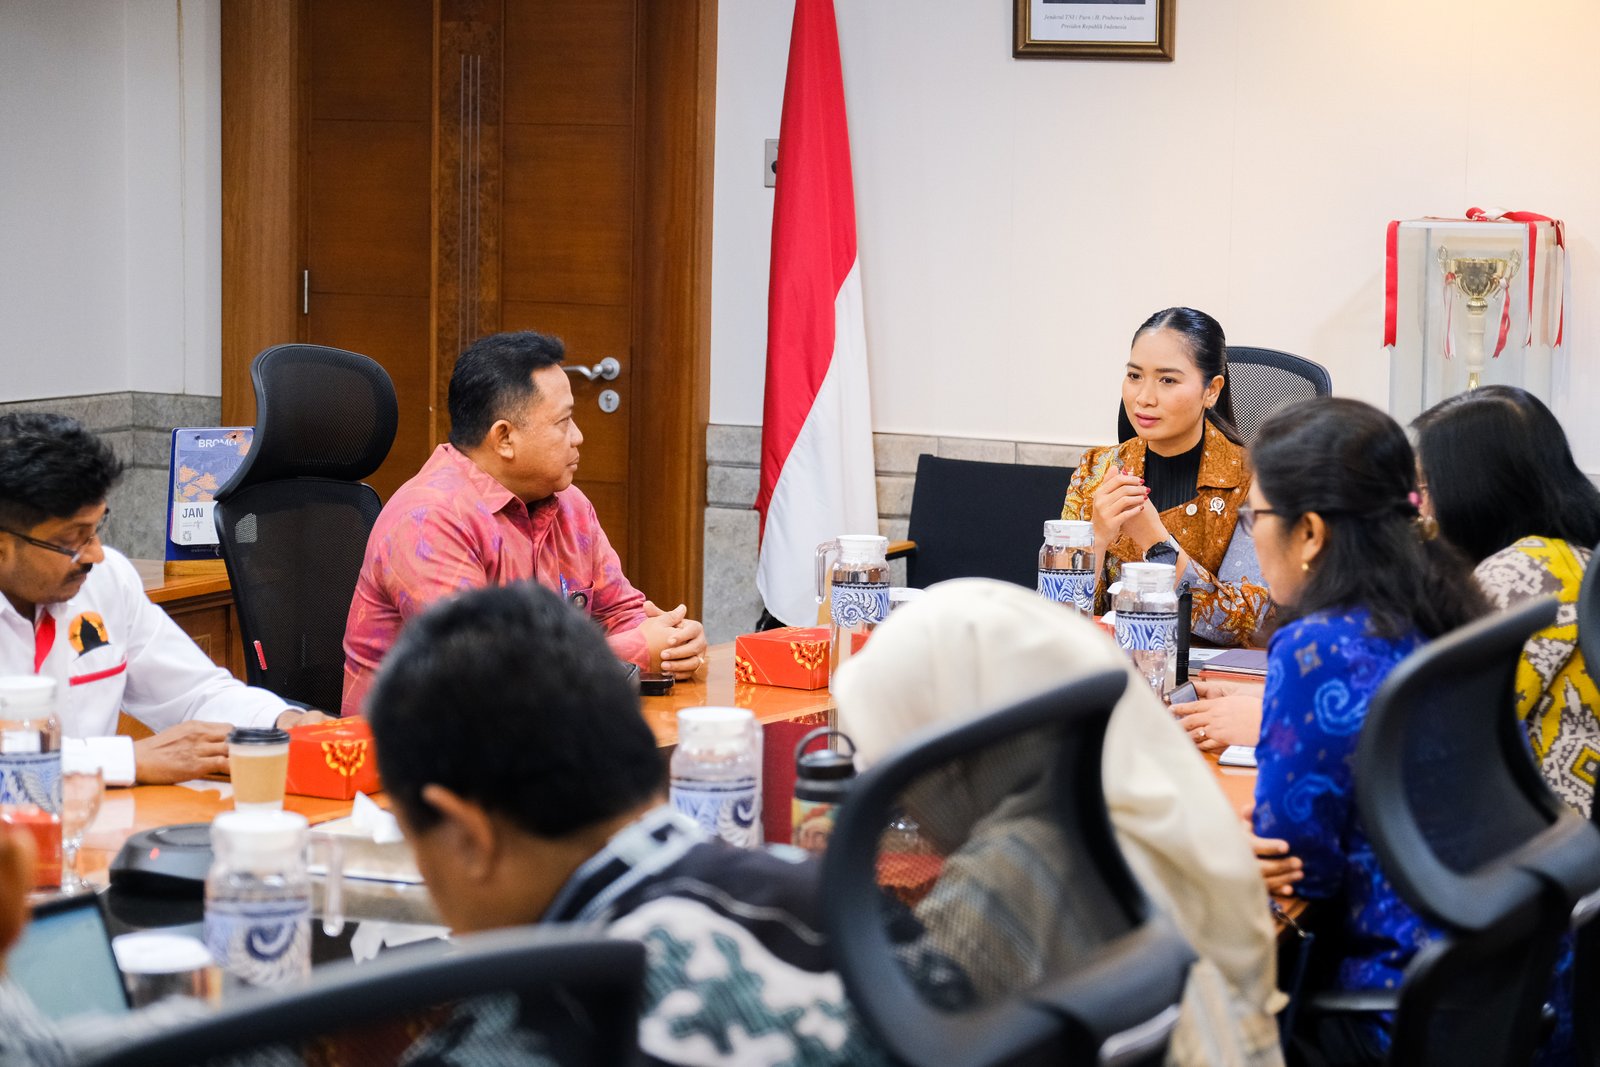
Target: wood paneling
(583, 63)
(590, 333)
(202, 606)
(260, 191)
(368, 173)
(568, 214)
(564, 183)
(467, 168)
(368, 209)
(676, 127)
(394, 331)
(370, 59)
(611, 505)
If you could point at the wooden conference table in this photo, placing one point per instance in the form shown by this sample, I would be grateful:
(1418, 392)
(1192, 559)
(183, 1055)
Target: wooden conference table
(127, 811)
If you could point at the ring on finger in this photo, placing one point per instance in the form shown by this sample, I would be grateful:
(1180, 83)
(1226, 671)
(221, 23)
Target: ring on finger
(1200, 732)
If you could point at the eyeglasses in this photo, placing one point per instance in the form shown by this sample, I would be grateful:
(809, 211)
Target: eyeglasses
(1247, 517)
(73, 553)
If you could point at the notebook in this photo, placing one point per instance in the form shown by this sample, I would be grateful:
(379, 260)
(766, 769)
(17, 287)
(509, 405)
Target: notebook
(1239, 661)
(1238, 756)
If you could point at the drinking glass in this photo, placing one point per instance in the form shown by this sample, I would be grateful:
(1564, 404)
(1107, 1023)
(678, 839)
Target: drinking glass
(82, 786)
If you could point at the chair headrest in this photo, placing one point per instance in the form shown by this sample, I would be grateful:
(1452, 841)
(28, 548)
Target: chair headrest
(983, 819)
(320, 413)
(1461, 818)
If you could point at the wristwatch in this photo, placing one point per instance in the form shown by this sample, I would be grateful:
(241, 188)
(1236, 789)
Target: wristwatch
(1162, 552)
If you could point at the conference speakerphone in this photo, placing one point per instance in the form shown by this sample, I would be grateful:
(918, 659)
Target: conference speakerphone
(166, 861)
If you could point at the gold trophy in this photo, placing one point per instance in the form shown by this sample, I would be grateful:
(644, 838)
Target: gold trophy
(1477, 279)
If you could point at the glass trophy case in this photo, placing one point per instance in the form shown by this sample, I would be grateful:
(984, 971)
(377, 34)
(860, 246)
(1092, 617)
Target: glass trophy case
(1473, 303)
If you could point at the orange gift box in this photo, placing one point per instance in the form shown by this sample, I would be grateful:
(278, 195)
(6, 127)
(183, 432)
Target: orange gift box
(792, 656)
(332, 759)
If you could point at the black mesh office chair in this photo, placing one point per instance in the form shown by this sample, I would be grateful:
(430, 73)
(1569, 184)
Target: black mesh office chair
(980, 910)
(294, 518)
(980, 520)
(1473, 839)
(1262, 380)
(1586, 972)
(535, 996)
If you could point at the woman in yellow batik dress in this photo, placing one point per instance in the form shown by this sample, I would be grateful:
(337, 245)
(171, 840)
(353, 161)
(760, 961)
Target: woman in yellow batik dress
(1499, 478)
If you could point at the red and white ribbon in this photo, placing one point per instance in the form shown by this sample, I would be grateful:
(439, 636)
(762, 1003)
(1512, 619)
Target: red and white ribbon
(1532, 220)
(1528, 219)
(1450, 314)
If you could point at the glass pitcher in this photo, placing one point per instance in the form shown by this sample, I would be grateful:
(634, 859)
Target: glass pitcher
(859, 580)
(1147, 622)
(258, 897)
(1066, 564)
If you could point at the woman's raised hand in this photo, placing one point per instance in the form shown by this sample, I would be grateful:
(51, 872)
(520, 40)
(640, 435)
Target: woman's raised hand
(1121, 497)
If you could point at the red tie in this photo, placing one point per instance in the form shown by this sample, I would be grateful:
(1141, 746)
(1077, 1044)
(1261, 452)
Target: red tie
(44, 639)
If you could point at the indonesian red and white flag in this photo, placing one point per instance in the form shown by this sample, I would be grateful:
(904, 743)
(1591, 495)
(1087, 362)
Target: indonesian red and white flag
(816, 441)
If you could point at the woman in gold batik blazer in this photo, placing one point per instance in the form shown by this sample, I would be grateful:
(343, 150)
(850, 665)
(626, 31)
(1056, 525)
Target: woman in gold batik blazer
(1185, 451)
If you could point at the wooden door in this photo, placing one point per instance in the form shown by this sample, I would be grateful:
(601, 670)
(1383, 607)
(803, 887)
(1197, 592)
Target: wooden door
(476, 165)
(368, 172)
(567, 219)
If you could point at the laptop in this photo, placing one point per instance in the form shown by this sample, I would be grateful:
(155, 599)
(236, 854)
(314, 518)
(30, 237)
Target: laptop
(64, 961)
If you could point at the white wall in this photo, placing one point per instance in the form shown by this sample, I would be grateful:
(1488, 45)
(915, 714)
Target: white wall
(1018, 218)
(109, 197)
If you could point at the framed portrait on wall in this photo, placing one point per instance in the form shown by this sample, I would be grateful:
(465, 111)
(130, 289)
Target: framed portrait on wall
(1094, 29)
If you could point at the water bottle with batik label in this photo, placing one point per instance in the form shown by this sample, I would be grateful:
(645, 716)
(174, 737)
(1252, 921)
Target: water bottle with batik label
(258, 897)
(857, 588)
(30, 768)
(1066, 564)
(716, 772)
(1147, 622)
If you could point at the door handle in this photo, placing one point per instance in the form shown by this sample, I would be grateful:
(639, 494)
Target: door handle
(606, 370)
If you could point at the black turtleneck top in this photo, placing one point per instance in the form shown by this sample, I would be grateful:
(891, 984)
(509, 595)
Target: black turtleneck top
(1171, 479)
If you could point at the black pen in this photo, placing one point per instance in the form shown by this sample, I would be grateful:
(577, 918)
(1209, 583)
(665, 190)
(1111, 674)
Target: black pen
(1283, 917)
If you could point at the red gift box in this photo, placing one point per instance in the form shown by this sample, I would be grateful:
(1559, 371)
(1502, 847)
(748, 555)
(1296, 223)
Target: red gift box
(792, 656)
(332, 759)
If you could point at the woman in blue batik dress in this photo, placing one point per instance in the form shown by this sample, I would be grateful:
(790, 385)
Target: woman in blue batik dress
(1333, 508)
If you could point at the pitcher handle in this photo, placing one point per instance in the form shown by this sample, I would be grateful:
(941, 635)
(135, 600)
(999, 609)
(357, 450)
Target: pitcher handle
(824, 550)
(332, 883)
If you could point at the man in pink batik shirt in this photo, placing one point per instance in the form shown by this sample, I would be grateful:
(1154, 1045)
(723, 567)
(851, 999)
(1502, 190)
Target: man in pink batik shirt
(497, 505)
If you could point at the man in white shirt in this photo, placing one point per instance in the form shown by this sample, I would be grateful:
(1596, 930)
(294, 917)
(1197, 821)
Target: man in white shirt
(76, 611)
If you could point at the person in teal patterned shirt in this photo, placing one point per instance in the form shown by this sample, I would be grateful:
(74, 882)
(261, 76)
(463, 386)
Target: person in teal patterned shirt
(1359, 585)
(542, 802)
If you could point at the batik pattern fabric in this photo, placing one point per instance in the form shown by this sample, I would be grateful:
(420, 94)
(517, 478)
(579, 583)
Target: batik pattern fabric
(485, 1030)
(738, 970)
(1231, 600)
(1322, 671)
(453, 528)
(1557, 701)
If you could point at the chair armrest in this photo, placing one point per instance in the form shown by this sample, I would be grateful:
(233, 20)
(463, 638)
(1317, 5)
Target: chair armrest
(901, 548)
(1353, 1001)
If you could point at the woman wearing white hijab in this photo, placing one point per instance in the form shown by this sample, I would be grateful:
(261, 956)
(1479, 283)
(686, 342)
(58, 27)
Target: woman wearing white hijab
(973, 646)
